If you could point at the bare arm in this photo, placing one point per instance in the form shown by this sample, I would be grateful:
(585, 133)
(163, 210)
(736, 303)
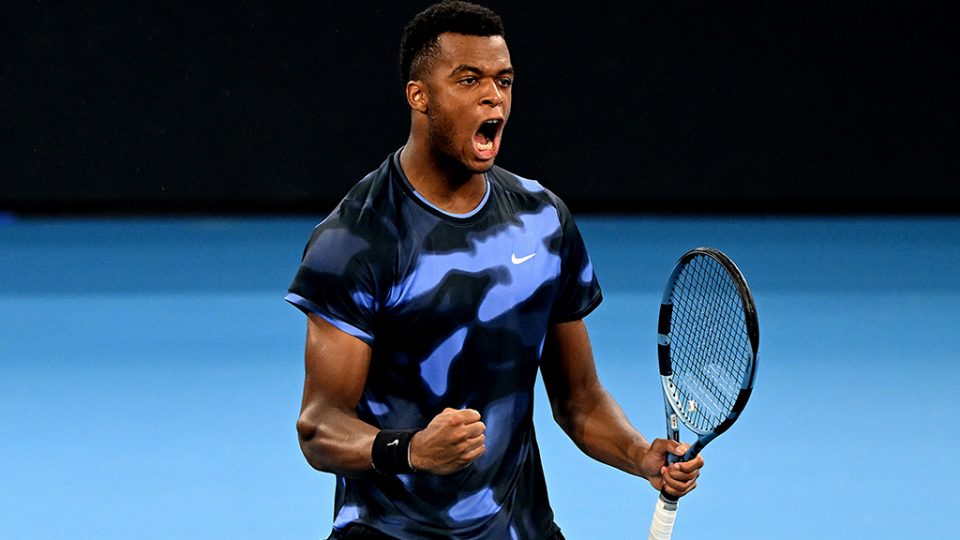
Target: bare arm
(332, 437)
(596, 423)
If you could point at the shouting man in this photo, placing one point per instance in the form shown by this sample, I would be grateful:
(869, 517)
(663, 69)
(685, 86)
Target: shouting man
(435, 292)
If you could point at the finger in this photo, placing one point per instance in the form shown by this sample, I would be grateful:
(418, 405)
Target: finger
(670, 487)
(468, 416)
(454, 417)
(678, 487)
(666, 446)
(677, 473)
(689, 487)
(474, 453)
(679, 492)
(694, 464)
(473, 442)
(474, 430)
(661, 446)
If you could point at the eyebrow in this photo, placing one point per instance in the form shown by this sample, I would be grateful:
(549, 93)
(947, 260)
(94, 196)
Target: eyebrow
(473, 69)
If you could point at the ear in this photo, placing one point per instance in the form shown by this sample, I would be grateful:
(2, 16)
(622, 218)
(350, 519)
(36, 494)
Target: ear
(417, 96)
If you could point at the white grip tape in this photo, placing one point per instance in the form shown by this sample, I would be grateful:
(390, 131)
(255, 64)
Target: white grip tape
(661, 528)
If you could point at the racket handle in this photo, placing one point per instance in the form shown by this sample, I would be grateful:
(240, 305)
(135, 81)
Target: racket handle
(661, 527)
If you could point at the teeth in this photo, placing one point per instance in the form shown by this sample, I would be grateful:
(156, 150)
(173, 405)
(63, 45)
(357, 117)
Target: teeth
(487, 135)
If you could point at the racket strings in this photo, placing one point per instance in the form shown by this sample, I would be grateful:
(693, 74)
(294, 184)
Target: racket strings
(710, 346)
(711, 366)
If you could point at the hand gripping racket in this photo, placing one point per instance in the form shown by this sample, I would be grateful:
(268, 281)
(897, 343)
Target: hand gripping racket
(707, 340)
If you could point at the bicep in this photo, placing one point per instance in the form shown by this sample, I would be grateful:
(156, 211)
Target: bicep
(336, 366)
(568, 369)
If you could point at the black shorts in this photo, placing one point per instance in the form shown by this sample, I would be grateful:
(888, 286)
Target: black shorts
(362, 532)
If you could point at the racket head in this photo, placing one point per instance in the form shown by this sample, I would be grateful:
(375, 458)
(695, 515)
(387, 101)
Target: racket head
(708, 340)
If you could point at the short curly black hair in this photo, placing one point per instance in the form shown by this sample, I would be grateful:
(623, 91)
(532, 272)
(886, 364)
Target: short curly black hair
(419, 43)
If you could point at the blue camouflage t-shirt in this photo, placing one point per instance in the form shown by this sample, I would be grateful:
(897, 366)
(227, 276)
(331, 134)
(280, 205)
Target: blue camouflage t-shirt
(456, 310)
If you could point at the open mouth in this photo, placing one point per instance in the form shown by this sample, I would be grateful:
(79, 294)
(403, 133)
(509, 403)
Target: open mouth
(486, 139)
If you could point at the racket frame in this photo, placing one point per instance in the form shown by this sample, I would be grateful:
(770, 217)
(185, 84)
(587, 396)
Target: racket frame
(661, 526)
(674, 411)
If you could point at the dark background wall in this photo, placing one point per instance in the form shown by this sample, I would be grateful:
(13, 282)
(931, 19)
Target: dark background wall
(266, 106)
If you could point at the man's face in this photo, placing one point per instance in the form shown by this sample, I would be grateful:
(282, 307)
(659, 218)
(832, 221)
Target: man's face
(469, 92)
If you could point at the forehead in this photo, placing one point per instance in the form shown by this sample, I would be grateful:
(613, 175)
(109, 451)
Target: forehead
(489, 53)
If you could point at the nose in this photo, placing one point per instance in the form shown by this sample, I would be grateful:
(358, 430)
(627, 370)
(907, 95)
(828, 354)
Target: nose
(491, 96)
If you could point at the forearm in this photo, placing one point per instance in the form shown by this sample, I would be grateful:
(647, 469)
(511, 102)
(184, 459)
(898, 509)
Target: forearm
(336, 441)
(598, 426)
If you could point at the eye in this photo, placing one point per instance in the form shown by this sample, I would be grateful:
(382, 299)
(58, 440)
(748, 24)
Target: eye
(468, 81)
(506, 82)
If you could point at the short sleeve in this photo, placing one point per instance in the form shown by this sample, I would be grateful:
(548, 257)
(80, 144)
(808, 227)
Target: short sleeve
(579, 291)
(337, 277)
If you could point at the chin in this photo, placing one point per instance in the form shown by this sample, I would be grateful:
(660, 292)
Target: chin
(457, 164)
(480, 168)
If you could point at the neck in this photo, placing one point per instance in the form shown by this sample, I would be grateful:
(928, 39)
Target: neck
(441, 180)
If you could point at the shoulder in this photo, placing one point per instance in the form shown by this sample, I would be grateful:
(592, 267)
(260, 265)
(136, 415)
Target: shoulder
(370, 202)
(369, 206)
(363, 223)
(516, 186)
(515, 183)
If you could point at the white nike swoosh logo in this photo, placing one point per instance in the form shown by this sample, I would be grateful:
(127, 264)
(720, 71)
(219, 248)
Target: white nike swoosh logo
(520, 260)
(394, 443)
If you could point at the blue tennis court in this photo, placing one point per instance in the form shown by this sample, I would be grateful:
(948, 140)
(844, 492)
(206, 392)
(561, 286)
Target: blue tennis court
(150, 377)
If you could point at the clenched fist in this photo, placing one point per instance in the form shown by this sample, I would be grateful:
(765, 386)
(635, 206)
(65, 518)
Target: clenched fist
(450, 442)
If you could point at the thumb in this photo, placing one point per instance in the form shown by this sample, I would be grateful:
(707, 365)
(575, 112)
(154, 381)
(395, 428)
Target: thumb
(678, 448)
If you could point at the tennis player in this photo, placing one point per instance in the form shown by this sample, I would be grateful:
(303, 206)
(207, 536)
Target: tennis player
(435, 291)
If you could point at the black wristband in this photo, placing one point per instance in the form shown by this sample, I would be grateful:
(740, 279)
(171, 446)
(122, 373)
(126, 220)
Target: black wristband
(391, 451)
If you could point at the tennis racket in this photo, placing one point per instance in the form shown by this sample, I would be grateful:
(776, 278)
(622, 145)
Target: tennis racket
(707, 339)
